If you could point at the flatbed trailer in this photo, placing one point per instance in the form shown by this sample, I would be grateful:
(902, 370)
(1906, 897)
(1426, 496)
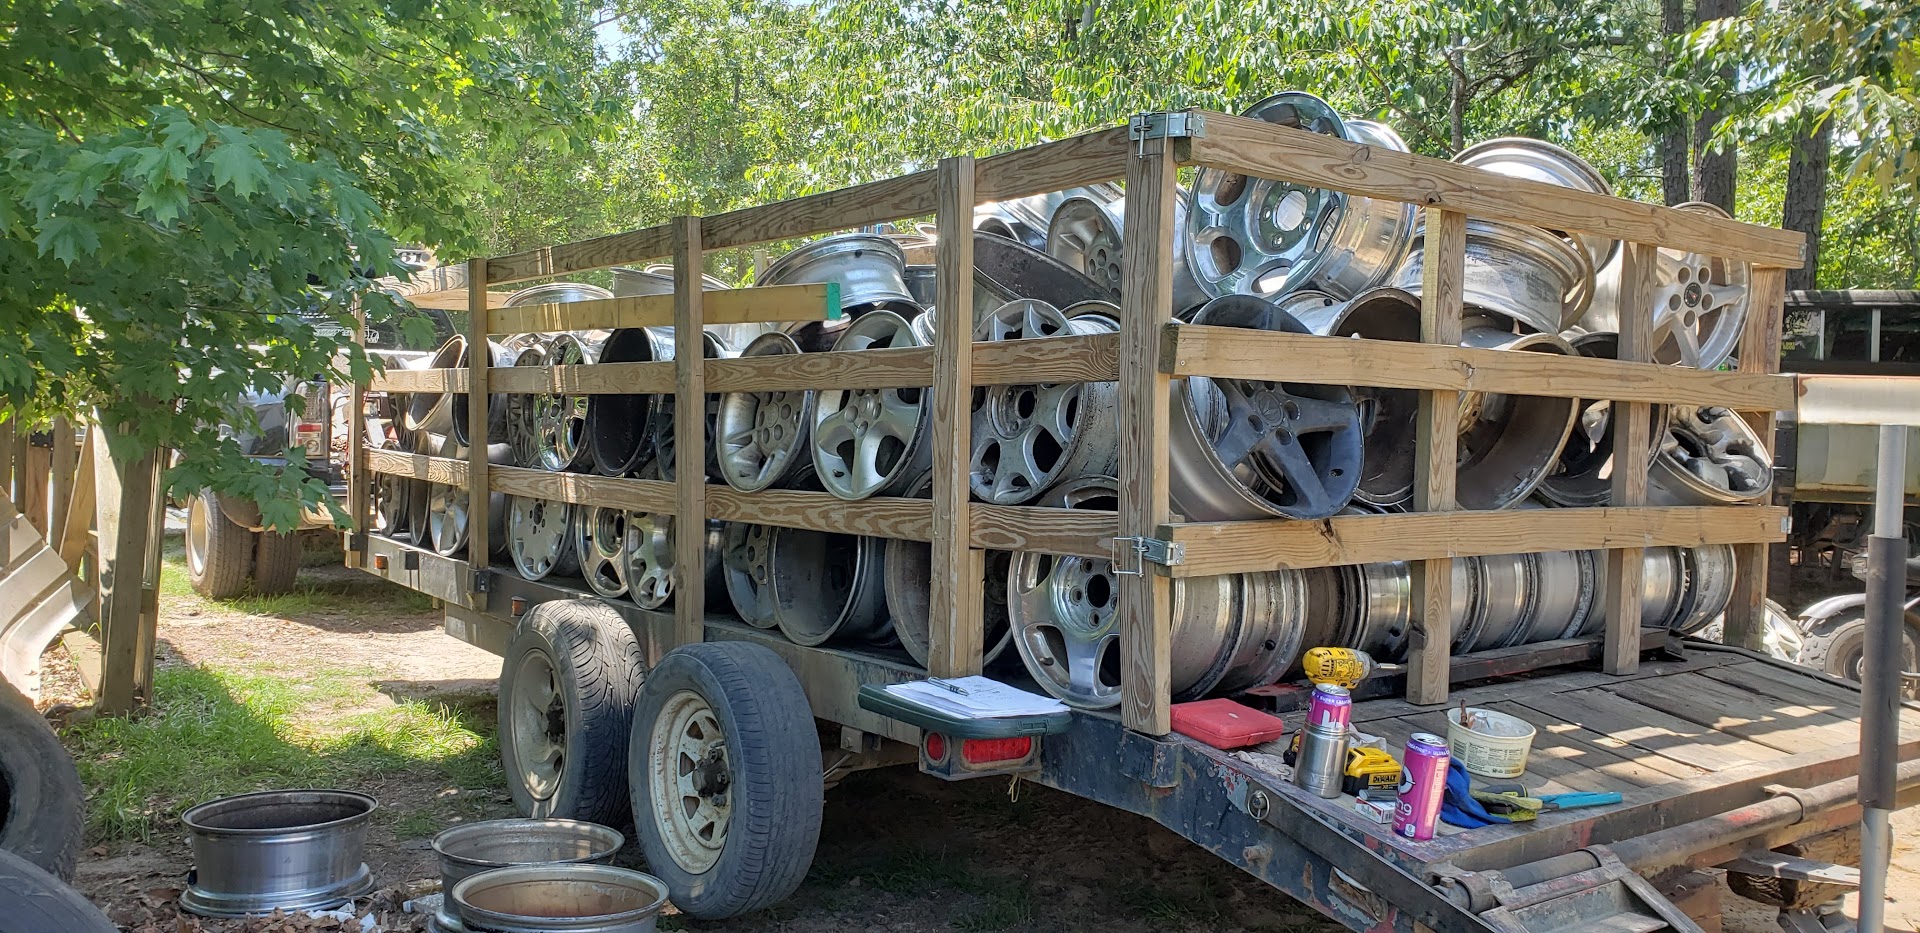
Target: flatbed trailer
(1722, 755)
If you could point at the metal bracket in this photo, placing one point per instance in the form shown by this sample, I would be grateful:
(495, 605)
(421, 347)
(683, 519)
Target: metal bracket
(1177, 124)
(482, 581)
(1142, 550)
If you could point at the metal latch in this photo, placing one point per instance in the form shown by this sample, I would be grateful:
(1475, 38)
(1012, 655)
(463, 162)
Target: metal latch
(1141, 550)
(1177, 124)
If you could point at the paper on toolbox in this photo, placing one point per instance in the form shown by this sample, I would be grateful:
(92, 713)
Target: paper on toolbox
(975, 698)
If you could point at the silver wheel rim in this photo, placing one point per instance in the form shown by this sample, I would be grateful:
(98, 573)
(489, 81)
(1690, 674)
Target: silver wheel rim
(762, 436)
(539, 536)
(448, 519)
(869, 442)
(1085, 234)
(1027, 437)
(650, 558)
(1699, 305)
(199, 537)
(1709, 456)
(664, 459)
(1508, 443)
(747, 562)
(538, 718)
(600, 540)
(691, 781)
(560, 421)
(390, 505)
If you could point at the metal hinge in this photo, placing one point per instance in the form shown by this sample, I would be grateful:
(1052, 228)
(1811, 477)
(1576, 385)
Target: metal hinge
(1131, 555)
(1177, 124)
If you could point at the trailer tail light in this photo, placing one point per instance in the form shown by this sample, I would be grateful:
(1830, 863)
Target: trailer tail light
(956, 759)
(310, 428)
(978, 752)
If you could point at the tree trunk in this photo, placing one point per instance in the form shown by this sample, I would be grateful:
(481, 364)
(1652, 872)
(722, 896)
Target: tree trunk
(1673, 142)
(1457, 93)
(1806, 202)
(1713, 171)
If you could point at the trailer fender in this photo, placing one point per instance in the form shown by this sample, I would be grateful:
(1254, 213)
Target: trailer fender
(1823, 611)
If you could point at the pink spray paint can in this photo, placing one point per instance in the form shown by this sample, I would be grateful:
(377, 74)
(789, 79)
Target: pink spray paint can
(1332, 704)
(1423, 786)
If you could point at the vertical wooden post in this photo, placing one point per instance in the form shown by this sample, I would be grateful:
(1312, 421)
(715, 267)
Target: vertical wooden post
(1632, 444)
(1146, 302)
(1746, 623)
(689, 436)
(479, 492)
(148, 630)
(359, 482)
(125, 492)
(76, 528)
(1436, 455)
(65, 459)
(8, 429)
(36, 467)
(956, 631)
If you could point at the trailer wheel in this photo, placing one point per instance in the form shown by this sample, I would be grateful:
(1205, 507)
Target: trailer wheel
(31, 899)
(1840, 647)
(276, 562)
(567, 688)
(219, 552)
(40, 798)
(725, 771)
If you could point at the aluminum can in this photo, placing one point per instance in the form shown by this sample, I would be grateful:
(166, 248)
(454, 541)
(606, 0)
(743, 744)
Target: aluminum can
(1423, 786)
(1331, 704)
(1322, 761)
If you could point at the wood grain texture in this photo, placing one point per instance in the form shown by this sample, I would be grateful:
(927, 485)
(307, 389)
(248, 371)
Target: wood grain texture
(881, 517)
(1079, 532)
(1227, 352)
(614, 249)
(76, 531)
(479, 361)
(1746, 623)
(1255, 147)
(359, 487)
(126, 492)
(1632, 422)
(690, 435)
(956, 631)
(1436, 454)
(1239, 547)
(633, 495)
(844, 369)
(1079, 358)
(588, 379)
(1146, 299)
(419, 380)
(719, 306)
(1054, 166)
(443, 471)
(858, 206)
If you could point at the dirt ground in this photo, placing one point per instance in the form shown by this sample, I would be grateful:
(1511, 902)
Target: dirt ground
(899, 852)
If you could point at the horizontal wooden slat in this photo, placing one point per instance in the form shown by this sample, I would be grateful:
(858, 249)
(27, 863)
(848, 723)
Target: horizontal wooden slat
(1055, 166)
(592, 379)
(722, 306)
(615, 249)
(859, 206)
(1255, 147)
(1229, 352)
(1085, 358)
(879, 517)
(445, 471)
(843, 369)
(636, 495)
(1054, 531)
(419, 380)
(1240, 547)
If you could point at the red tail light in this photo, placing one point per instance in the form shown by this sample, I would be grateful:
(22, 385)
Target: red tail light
(995, 751)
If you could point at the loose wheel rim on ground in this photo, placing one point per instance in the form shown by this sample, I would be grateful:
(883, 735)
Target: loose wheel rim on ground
(197, 535)
(691, 777)
(539, 723)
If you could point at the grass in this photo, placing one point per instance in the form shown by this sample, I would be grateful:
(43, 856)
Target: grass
(214, 733)
(347, 596)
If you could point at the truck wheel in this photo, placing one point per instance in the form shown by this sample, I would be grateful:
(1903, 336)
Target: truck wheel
(567, 689)
(219, 552)
(725, 768)
(40, 818)
(1840, 646)
(32, 900)
(276, 562)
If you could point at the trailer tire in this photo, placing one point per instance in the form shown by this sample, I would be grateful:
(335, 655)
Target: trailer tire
(1839, 646)
(40, 799)
(567, 687)
(31, 901)
(725, 724)
(219, 552)
(276, 562)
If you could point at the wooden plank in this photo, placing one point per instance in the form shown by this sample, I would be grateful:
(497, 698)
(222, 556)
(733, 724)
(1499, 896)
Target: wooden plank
(479, 361)
(1240, 547)
(66, 457)
(720, 306)
(881, 517)
(1746, 616)
(125, 495)
(1255, 147)
(1083, 533)
(1146, 295)
(36, 475)
(76, 530)
(359, 480)
(444, 471)
(1765, 679)
(1053, 166)
(1078, 358)
(1436, 456)
(1564, 742)
(956, 630)
(858, 206)
(615, 492)
(1654, 732)
(1711, 703)
(1520, 689)
(590, 379)
(690, 433)
(1230, 352)
(1552, 766)
(419, 380)
(1632, 422)
(614, 249)
(844, 369)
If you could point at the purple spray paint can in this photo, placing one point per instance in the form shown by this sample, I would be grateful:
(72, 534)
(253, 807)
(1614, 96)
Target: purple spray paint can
(1332, 704)
(1423, 785)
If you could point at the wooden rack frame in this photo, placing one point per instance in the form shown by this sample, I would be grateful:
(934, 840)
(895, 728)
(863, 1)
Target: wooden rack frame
(1144, 357)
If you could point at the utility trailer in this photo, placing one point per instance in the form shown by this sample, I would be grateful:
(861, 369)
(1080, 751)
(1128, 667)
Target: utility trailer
(1723, 755)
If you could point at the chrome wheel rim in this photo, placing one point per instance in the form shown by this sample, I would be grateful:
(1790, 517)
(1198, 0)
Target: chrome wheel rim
(870, 442)
(199, 537)
(539, 536)
(600, 538)
(1508, 443)
(650, 558)
(691, 781)
(762, 436)
(559, 422)
(448, 519)
(1027, 437)
(538, 718)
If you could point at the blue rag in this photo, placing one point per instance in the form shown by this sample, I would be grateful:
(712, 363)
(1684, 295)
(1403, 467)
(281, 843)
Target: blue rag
(1459, 808)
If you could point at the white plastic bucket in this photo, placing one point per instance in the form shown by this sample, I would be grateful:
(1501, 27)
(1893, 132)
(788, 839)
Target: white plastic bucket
(1495, 747)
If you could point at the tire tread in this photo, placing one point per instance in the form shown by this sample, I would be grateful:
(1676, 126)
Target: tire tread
(600, 667)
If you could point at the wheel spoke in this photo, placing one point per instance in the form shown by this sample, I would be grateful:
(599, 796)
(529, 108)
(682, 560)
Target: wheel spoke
(1300, 474)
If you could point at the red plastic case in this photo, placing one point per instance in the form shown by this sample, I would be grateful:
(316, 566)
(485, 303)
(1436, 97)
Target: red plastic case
(1222, 723)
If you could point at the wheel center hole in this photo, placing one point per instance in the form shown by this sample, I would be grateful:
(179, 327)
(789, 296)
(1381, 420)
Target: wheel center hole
(1290, 211)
